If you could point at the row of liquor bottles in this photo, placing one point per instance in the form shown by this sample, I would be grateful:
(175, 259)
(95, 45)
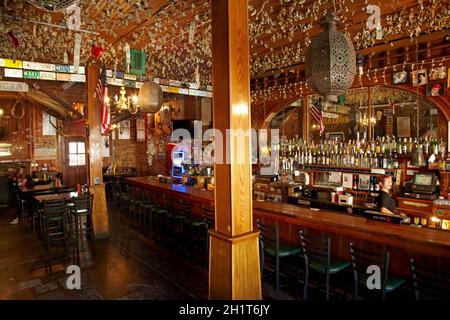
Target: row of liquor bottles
(382, 152)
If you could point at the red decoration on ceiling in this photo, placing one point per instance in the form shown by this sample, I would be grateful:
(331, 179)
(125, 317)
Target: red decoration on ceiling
(96, 50)
(14, 38)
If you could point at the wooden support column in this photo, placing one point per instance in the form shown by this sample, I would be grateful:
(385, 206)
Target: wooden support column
(234, 252)
(306, 119)
(96, 185)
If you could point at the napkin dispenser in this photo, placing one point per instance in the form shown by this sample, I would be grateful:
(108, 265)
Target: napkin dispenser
(345, 199)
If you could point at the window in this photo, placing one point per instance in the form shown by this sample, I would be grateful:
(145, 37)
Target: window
(77, 154)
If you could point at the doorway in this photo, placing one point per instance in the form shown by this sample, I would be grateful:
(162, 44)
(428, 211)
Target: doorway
(75, 161)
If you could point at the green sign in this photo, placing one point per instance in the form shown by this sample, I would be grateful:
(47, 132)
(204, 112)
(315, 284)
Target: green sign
(29, 74)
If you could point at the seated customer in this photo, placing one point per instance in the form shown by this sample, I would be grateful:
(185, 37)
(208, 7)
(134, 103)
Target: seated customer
(386, 204)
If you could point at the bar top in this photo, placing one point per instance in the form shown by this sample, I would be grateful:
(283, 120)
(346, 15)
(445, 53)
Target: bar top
(324, 219)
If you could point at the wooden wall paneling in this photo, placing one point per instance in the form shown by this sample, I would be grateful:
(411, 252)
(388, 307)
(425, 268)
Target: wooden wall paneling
(100, 211)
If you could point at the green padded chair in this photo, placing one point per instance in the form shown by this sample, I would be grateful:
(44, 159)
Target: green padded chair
(317, 253)
(269, 244)
(361, 259)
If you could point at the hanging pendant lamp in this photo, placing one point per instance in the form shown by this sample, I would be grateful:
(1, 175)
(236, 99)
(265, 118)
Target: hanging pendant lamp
(330, 60)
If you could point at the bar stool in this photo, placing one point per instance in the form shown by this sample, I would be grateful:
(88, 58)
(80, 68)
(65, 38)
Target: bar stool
(208, 216)
(82, 210)
(191, 227)
(429, 284)
(163, 212)
(269, 241)
(361, 259)
(317, 253)
(54, 225)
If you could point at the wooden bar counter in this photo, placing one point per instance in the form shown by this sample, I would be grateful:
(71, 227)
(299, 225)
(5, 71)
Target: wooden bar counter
(403, 241)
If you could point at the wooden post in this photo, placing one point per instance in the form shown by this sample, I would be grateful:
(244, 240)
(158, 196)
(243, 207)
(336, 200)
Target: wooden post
(369, 113)
(306, 119)
(234, 252)
(96, 185)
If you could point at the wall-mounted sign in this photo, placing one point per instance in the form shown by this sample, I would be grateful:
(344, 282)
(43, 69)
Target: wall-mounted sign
(13, 86)
(184, 91)
(48, 75)
(8, 63)
(130, 76)
(48, 124)
(31, 74)
(63, 77)
(13, 73)
(45, 154)
(30, 65)
(174, 89)
(78, 78)
(46, 66)
(193, 92)
(174, 83)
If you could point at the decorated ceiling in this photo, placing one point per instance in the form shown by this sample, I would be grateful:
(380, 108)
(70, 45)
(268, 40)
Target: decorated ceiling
(176, 34)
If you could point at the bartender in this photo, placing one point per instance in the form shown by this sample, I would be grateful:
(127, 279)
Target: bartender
(386, 204)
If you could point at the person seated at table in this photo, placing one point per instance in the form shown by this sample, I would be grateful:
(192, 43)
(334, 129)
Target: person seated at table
(30, 182)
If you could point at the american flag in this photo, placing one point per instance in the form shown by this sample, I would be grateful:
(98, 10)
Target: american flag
(101, 92)
(316, 112)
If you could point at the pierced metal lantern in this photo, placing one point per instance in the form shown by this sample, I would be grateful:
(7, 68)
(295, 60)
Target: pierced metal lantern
(330, 61)
(150, 97)
(52, 5)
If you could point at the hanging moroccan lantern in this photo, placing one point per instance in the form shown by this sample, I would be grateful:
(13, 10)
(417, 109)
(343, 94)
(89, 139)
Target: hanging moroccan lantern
(150, 97)
(330, 61)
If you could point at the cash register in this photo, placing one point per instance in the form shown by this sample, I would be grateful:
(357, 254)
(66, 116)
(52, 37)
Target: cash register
(424, 185)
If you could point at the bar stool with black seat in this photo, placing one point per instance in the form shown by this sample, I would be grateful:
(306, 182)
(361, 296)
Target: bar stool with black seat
(317, 254)
(192, 228)
(269, 241)
(429, 284)
(36, 210)
(82, 210)
(54, 227)
(208, 216)
(163, 213)
(361, 260)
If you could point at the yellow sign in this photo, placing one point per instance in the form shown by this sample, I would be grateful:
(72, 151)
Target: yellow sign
(8, 63)
(338, 120)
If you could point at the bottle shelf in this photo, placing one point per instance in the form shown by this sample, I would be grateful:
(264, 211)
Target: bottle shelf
(319, 167)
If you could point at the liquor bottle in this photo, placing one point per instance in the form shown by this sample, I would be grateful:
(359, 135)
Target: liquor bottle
(435, 147)
(355, 182)
(410, 146)
(426, 146)
(395, 160)
(377, 145)
(405, 146)
(399, 146)
(377, 185)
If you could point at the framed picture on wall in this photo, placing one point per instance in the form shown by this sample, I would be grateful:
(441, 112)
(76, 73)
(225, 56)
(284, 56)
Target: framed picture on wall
(419, 77)
(436, 89)
(437, 73)
(124, 130)
(400, 77)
